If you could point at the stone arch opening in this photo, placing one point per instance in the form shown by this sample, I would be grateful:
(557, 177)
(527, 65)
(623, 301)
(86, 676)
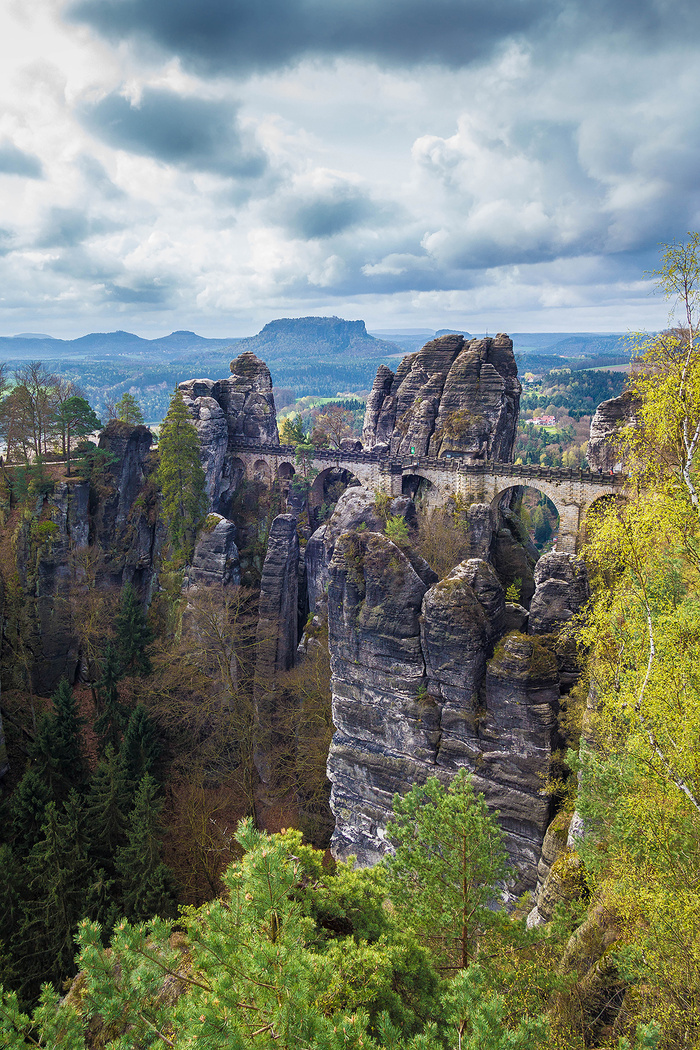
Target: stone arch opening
(261, 471)
(285, 472)
(421, 490)
(327, 488)
(599, 506)
(534, 509)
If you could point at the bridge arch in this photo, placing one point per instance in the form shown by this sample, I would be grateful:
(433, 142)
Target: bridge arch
(542, 530)
(261, 471)
(328, 485)
(421, 488)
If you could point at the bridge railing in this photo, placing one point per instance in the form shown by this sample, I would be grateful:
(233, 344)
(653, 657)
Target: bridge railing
(443, 464)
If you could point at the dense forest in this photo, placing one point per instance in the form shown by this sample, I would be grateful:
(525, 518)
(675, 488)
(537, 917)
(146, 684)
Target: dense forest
(132, 831)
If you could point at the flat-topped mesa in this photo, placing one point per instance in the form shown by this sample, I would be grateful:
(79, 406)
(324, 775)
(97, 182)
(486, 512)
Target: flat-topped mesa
(453, 396)
(238, 410)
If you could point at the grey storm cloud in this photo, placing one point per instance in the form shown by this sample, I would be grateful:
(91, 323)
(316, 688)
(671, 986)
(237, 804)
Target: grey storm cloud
(193, 133)
(68, 227)
(243, 35)
(14, 161)
(337, 210)
(239, 36)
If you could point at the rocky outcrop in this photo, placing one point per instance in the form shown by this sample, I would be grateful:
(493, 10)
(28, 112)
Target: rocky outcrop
(239, 409)
(126, 518)
(277, 635)
(4, 764)
(562, 589)
(215, 559)
(452, 396)
(610, 418)
(357, 508)
(417, 693)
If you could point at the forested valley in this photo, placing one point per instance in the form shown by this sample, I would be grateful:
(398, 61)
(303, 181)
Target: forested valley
(157, 890)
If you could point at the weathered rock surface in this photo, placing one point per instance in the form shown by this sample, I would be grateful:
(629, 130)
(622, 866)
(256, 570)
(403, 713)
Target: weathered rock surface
(415, 694)
(562, 590)
(356, 508)
(215, 559)
(611, 416)
(452, 396)
(239, 409)
(277, 634)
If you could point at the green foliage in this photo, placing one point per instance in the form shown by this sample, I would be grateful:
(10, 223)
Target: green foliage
(147, 884)
(128, 410)
(181, 479)
(133, 634)
(514, 590)
(448, 865)
(397, 530)
(292, 431)
(113, 714)
(140, 748)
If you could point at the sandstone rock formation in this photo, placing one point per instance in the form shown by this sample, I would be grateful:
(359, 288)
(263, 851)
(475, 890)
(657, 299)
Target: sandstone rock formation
(452, 396)
(357, 507)
(215, 559)
(610, 417)
(277, 635)
(561, 591)
(237, 410)
(418, 690)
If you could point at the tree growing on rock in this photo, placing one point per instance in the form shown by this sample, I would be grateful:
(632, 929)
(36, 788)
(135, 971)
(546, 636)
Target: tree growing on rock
(181, 479)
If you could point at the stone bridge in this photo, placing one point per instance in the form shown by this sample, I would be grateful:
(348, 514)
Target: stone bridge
(431, 481)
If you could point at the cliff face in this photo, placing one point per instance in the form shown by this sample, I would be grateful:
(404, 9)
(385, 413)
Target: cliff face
(610, 417)
(452, 396)
(237, 410)
(425, 682)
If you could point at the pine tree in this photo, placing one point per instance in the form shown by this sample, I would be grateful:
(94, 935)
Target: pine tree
(68, 742)
(133, 634)
(140, 748)
(28, 810)
(58, 875)
(181, 478)
(147, 884)
(128, 410)
(447, 865)
(113, 715)
(107, 805)
(10, 911)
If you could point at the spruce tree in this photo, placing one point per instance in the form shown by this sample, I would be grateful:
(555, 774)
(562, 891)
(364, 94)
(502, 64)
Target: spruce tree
(140, 748)
(133, 634)
(107, 805)
(147, 884)
(181, 478)
(113, 715)
(28, 810)
(68, 742)
(58, 875)
(10, 912)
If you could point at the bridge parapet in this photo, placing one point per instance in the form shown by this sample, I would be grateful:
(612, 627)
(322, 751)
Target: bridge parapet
(571, 491)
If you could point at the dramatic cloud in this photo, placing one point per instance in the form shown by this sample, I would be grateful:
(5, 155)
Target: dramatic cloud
(15, 161)
(239, 37)
(194, 133)
(424, 163)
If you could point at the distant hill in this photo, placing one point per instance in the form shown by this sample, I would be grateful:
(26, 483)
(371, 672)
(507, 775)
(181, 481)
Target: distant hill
(318, 337)
(45, 347)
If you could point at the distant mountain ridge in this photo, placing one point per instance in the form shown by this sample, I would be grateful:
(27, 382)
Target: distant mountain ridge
(318, 337)
(38, 346)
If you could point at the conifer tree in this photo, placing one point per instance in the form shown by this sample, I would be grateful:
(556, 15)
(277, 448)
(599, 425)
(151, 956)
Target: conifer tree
(58, 872)
(140, 748)
(133, 634)
(10, 911)
(128, 410)
(107, 805)
(147, 884)
(181, 478)
(448, 862)
(28, 810)
(113, 715)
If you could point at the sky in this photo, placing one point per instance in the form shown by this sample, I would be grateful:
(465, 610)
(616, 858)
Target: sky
(500, 165)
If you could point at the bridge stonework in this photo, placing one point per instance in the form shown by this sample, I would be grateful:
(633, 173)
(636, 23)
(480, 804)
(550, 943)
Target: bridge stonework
(571, 491)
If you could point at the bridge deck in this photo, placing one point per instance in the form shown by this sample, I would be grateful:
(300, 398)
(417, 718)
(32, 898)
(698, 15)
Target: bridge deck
(448, 465)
